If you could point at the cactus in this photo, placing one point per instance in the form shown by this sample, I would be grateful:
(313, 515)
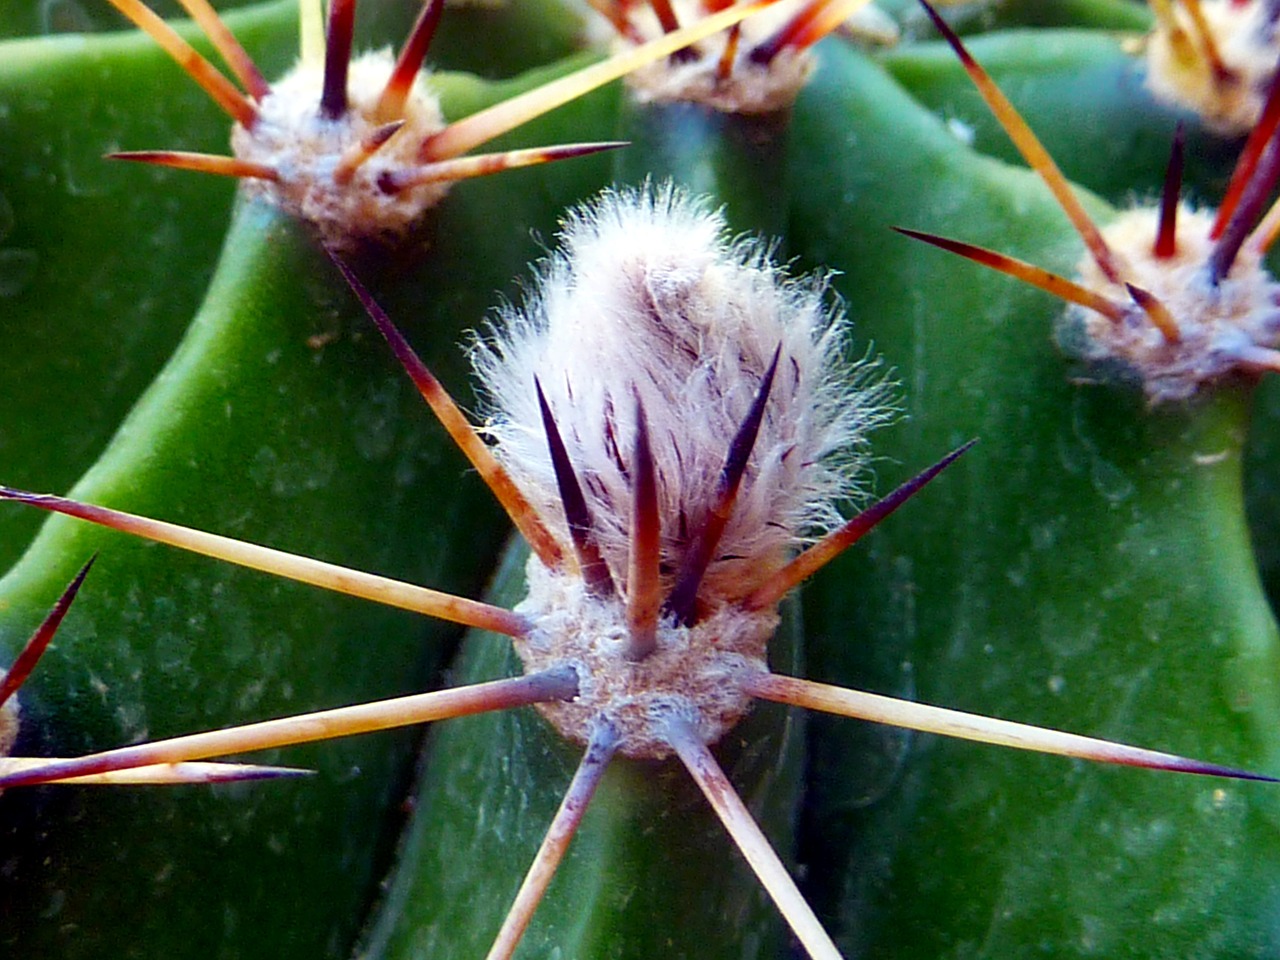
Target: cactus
(1086, 567)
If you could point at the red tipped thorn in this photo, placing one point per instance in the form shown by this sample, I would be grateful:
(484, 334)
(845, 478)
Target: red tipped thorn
(1167, 233)
(199, 163)
(391, 102)
(39, 642)
(337, 58)
(1052, 283)
(779, 584)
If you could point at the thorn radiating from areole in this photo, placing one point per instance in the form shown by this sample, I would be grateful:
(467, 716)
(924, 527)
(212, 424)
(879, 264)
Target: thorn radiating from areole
(35, 647)
(395, 593)
(396, 93)
(729, 56)
(600, 750)
(484, 164)
(359, 153)
(1260, 137)
(1207, 42)
(337, 58)
(1249, 211)
(1156, 312)
(974, 727)
(779, 584)
(1029, 273)
(750, 839)
(460, 430)
(557, 684)
(813, 22)
(1166, 244)
(219, 88)
(644, 582)
(666, 15)
(229, 48)
(211, 163)
(616, 14)
(156, 775)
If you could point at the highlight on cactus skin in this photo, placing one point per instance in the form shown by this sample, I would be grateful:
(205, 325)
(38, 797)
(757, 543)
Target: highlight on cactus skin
(359, 147)
(757, 66)
(1216, 57)
(669, 512)
(1179, 297)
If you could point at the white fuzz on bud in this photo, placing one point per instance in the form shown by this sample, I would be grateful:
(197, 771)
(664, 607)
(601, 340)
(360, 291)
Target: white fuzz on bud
(305, 149)
(649, 305)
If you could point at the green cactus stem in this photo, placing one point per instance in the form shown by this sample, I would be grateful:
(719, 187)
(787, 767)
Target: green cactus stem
(1090, 571)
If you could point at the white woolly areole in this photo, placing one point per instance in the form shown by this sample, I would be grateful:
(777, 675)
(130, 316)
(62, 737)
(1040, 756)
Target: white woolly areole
(8, 725)
(304, 148)
(1218, 325)
(1246, 39)
(749, 87)
(649, 300)
(696, 671)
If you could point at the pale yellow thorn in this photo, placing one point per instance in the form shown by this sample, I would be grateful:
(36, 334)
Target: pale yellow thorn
(229, 48)
(485, 164)
(557, 684)
(160, 774)
(969, 726)
(393, 593)
(311, 33)
(1208, 44)
(1178, 40)
(600, 750)
(750, 839)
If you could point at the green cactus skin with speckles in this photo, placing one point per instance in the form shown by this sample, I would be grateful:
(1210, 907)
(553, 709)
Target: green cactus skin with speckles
(1087, 568)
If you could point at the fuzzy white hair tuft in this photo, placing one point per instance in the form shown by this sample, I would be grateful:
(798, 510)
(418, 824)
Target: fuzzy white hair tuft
(650, 300)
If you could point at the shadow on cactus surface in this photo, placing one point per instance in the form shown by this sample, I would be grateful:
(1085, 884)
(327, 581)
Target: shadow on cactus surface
(671, 422)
